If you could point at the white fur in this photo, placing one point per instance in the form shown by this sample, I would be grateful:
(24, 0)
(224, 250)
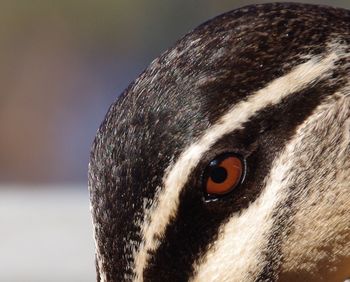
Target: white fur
(322, 220)
(323, 208)
(236, 254)
(167, 200)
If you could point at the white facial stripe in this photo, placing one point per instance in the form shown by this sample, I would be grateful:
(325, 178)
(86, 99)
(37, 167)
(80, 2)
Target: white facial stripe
(166, 204)
(322, 210)
(234, 243)
(245, 237)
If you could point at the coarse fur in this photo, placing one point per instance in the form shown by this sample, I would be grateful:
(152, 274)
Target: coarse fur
(168, 199)
(321, 210)
(322, 215)
(269, 82)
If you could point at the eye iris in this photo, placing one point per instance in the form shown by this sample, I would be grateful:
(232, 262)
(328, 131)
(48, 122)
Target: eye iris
(218, 174)
(223, 175)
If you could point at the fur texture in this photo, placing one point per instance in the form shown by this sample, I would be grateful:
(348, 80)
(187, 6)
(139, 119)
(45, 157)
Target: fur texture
(167, 201)
(268, 82)
(321, 211)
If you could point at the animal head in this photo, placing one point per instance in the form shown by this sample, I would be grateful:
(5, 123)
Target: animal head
(228, 159)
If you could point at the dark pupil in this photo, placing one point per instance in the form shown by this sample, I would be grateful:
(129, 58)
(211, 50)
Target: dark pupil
(218, 174)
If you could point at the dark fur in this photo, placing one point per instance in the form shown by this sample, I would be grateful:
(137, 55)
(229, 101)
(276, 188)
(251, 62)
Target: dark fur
(155, 119)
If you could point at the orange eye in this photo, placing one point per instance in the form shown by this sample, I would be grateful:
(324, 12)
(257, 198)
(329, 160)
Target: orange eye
(223, 174)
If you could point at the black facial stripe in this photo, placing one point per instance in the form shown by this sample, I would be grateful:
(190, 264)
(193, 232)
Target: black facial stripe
(157, 117)
(282, 220)
(158, 125)
(196, 224)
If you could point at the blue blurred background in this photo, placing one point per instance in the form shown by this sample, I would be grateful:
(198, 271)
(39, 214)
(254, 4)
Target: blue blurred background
(62, 64)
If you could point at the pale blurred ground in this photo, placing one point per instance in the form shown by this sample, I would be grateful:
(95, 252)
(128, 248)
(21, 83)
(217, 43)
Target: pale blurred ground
(45, 235)
(62, 63)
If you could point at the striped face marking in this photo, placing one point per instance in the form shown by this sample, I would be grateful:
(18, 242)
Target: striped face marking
(257, 222)
(166, 203)
(230, 152)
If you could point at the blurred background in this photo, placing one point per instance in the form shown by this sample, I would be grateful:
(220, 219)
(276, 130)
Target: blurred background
(62, 64)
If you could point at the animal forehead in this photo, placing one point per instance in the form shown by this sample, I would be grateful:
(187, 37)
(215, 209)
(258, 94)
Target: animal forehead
(228, 58)
(253, 32)
(189, 87)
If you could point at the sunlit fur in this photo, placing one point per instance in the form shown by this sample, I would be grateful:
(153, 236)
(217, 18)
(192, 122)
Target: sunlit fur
(322, 211)
(268, 82)
(166, 202)
(319, 232)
